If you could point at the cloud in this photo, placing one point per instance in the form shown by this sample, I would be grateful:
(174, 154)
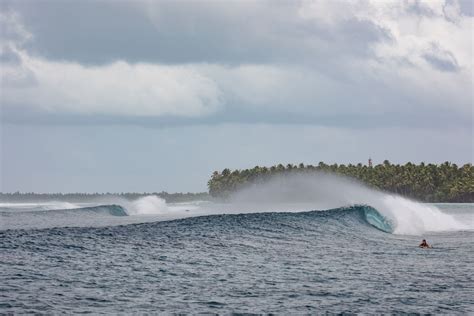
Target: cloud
(12, 28)
(168, 32)
(441, 59)
(12, 35)
(119, 88)
(312, 62)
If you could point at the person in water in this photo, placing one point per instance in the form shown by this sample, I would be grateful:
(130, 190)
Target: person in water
(424, 244)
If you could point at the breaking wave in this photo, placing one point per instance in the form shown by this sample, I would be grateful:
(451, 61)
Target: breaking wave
(326, 193)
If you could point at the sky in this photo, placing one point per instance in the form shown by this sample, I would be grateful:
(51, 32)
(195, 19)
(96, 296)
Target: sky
(150, 96)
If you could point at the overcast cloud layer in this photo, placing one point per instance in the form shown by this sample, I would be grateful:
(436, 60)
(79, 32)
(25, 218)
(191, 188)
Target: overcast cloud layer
(334, 66)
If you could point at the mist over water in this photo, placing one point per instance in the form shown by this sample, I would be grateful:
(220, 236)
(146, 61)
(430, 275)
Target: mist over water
(322, 191)
(302, 192)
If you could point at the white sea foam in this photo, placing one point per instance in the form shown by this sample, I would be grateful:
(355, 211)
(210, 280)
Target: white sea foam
(154, 205)
(413, 218)
(148, 205)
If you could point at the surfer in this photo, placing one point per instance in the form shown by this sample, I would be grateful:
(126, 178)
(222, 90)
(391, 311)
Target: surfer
(424, 244)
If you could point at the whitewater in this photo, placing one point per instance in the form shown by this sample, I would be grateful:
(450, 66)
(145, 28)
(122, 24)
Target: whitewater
(292, 244)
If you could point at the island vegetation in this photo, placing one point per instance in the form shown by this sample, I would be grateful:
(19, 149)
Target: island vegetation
(445, 182)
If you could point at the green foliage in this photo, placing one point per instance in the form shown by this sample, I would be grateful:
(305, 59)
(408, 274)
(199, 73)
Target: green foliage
(425, 182)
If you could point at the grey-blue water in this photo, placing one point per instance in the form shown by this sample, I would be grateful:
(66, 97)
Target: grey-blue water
(307, 262)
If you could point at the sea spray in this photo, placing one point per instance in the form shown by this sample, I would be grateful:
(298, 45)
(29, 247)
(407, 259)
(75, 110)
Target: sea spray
(306, 192)
(413, 218)
(148, 205)
(283, 193)
(157, 207)
(320, 191)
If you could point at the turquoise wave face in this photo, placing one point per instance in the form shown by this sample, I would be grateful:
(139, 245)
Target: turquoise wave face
(374, 218)
(115, 210)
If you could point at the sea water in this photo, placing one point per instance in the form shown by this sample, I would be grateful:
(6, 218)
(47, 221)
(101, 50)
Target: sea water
(111, 259)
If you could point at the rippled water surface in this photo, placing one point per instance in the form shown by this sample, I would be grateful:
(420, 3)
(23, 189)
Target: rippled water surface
(316, 261)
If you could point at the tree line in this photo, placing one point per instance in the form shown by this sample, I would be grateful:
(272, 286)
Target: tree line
(445, 182)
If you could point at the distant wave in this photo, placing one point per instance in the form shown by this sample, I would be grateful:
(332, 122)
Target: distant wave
(387, 213)
(368, 214)
(114, 210)
(44, 206)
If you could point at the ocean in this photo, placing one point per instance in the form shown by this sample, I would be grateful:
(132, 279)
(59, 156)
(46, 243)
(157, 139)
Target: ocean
(147, 256)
